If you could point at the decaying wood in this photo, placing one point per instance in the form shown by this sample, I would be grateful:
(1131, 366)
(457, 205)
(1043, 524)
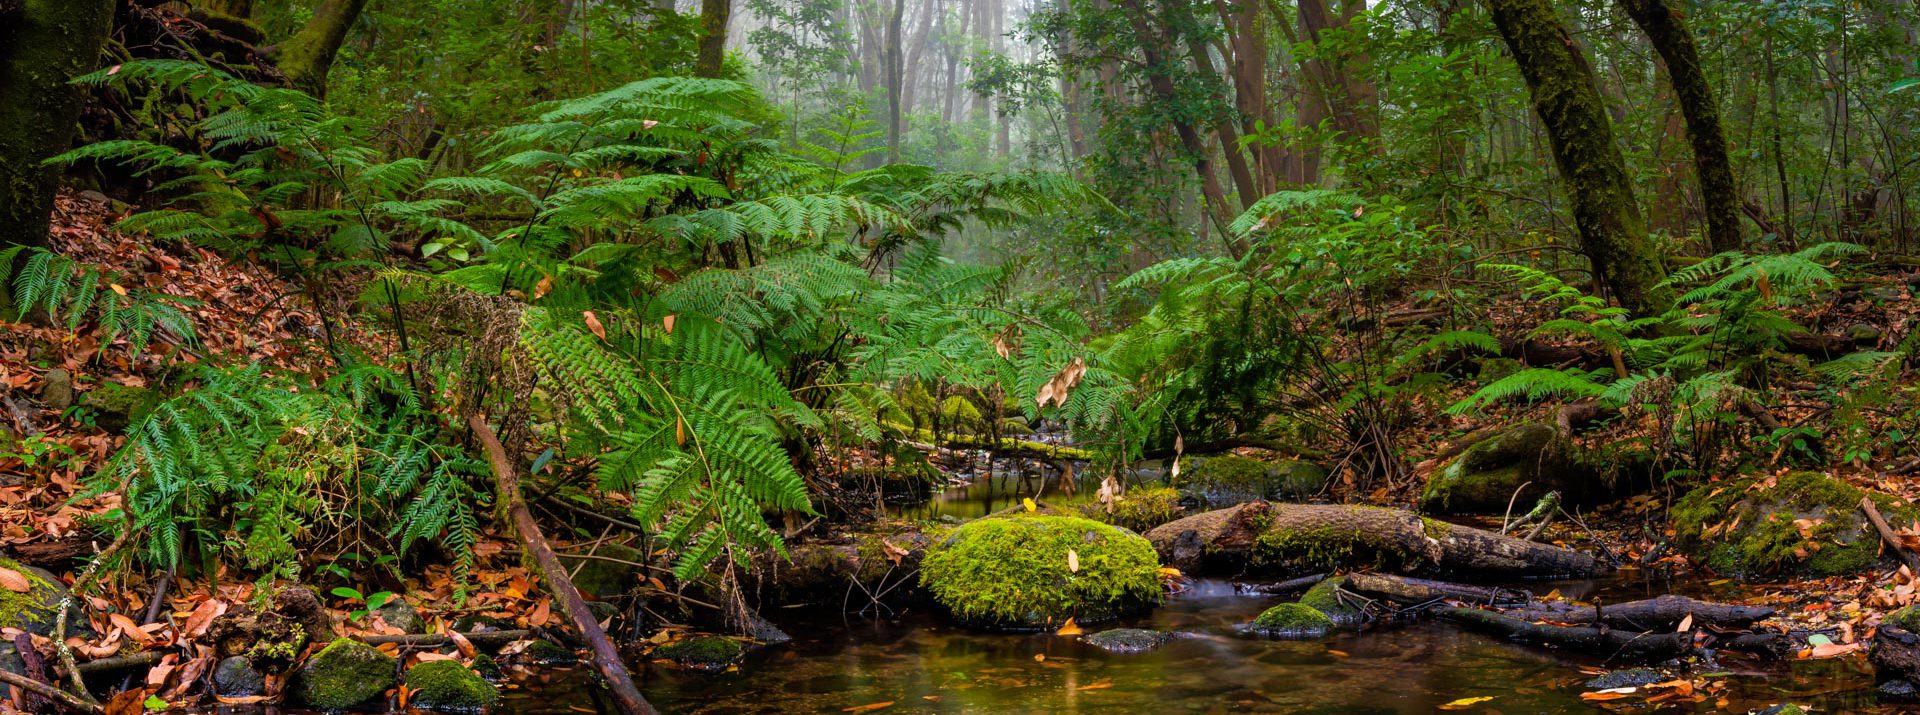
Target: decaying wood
(1661, 613)
(1292, 585)
(1886, 534)
(117, 663)
(1225, 541)
(1609, 643)
(606, 659)
(1408, 590)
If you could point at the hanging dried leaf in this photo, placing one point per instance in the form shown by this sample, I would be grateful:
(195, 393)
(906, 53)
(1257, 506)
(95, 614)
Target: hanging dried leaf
(593, 324)
(1070, 629)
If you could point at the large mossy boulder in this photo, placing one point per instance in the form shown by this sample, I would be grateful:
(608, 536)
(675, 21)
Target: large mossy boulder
(1230, 479)
(37, 609)
(1139, 509)
(343, 675)
(1030, 572)
(448, 686)
(1514, 468)
(1803, 523)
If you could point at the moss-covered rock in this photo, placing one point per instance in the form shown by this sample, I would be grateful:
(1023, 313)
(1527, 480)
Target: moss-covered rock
(1325, 598)
(543, 652)
(1230, 479)
(1291, 620)
(1016, 572)
(1895, 652)
(235, 677)
(342, 675)
(448, 686)
(37, 609)
(1628, 678)
(1139, 510)
(603, 578)
(1127, 640)
(1529, 460)
(1803, 523)
(115, 405)
(707, 653)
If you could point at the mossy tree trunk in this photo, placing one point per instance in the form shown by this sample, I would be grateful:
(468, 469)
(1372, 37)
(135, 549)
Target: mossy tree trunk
(1613, 233)
(712, 55)
(1711, 165)
(43, 44)
(307, 56)
(242, 9)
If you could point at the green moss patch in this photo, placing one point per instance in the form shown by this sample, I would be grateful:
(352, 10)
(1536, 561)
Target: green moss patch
(448, 686)
(1014, 572)
(709, 653)
(36, 609)
(345, 674)
(1802, 523)
(1292, 620)
(1325, 598)
(1139, 510)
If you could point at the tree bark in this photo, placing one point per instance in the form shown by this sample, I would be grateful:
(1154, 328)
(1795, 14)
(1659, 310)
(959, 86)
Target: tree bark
(1711, 165)
(1612, 231)
(1155, 50)
(896, 72)
(712, 54)
(307, 56)
(606, 659)
(242, 9)
(43, 45)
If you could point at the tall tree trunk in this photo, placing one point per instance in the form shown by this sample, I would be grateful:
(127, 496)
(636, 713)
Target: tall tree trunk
(307, 56)
(712, 54)
(1155, 50)
(1224, 130)
(1711, 165)
(895, 72)
(1247, 38)
(1613, 234)
(916, 55)
(43, 44)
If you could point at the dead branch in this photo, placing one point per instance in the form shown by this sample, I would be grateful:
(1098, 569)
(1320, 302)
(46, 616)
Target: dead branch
(1887, 535)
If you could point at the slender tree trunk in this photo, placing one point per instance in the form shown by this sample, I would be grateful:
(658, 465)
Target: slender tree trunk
(896, 71)
(1154, 49)
(43, 44)
(916, 54)
(1613, 234)
(1224, 130)
(307, 56)
(1711, 165)
(712, 54)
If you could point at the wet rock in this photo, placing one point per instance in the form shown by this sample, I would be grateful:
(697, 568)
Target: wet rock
(1030, 572)
(1629, 678)
(488, 668)
(115, 405)
(36, 610)
(704, 653)
(56, 389)
(235, 677)
(604, 579)
(402, 615)
(1895, 652)
(1802, 523)
(1897, 690)
(1485, 478)
(1229, 479)
(345, 674)
(1127, 640)
(541, 652)
(448, 686)
(1291, 621)
(1863, 333)
(764, 631)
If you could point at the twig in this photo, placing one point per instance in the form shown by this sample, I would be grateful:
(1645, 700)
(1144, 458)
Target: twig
(1887, 535)
(49, 692)
(80, 584)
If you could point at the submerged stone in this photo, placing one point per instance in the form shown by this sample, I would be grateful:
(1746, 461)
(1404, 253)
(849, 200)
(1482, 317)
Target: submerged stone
(705, 653)
(1325, 598)
(1291, 621)
(1629, 678)
(1898, 690)
(345, 674)
(1030, 572)
(448, 686)
(1127, 640)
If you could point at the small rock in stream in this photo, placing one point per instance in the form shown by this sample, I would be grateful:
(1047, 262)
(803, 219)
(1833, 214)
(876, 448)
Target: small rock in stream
(704, 653)
(1897, 690)
(235, 677)
(1127, 640)
(1291, 621)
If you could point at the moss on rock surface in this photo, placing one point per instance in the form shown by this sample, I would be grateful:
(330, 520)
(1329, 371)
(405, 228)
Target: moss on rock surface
(345, 674)
(1139, 510)
(448, 686)
(1527, 460)
(1292, 620)
(1802, 523)
(709, 653)
(36, 609)
(1325, 598)
(1014, 572)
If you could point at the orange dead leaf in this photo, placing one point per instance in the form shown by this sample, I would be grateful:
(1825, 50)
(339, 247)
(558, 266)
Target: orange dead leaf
(869, 707)
(1070, 629)
(15, 581)
(593, 324)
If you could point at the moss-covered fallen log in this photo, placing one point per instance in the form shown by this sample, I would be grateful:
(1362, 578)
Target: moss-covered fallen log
(1300, 538)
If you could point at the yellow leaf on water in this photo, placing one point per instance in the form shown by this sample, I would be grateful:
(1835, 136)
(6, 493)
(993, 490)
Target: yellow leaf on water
(1070, 629)
(1101, 685)
(1465, 703)
(1039, 657)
